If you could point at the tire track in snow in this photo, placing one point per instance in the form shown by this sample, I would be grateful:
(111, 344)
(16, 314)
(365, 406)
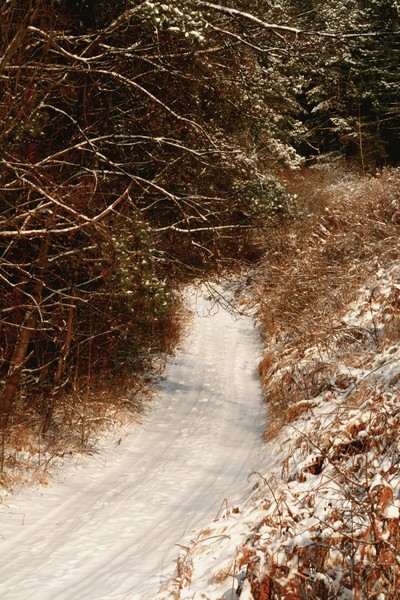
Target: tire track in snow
(108, 531)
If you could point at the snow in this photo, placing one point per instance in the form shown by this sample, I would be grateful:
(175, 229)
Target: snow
(108, 529)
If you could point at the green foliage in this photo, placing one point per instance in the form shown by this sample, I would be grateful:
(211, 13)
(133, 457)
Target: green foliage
(180, 18)
(269, 200)
(134, 279)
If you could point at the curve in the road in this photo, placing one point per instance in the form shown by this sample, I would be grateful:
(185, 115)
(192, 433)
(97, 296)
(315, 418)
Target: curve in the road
(108, 531)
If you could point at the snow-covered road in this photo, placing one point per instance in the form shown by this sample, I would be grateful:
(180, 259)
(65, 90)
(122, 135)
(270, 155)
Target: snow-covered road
(108, 530)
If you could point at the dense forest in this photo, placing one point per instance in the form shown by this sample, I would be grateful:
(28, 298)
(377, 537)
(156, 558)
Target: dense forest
(143, 144)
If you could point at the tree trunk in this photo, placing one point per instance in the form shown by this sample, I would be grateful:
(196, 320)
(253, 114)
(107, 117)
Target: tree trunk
(61, 361)
(7, 401)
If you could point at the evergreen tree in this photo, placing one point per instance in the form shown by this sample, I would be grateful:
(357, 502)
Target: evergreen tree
(350, 94)
(376, 82)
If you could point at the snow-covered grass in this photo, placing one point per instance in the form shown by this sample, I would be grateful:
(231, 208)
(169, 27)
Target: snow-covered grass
(323, 520)
(331, 527)
(313, 270)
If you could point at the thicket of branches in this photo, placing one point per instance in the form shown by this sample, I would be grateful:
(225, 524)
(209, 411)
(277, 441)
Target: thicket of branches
(139, 144)
(128, 160)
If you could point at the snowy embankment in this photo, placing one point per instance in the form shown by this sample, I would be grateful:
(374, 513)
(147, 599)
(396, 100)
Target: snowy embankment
(108, 529)
(325, 520)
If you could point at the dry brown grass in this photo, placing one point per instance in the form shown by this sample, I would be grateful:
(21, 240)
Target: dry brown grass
(27, 456)
(348, 227)
(367, 556)
(330, 301)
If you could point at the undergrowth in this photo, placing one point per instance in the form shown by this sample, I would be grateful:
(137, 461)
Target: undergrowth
(84, 410)
(329, 310)
(314, 267)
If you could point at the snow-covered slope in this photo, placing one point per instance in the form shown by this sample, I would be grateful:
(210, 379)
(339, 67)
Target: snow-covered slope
(324, 522)
(109, 529)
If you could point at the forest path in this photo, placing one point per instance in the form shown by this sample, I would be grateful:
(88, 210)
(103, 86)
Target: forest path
(108, 531)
